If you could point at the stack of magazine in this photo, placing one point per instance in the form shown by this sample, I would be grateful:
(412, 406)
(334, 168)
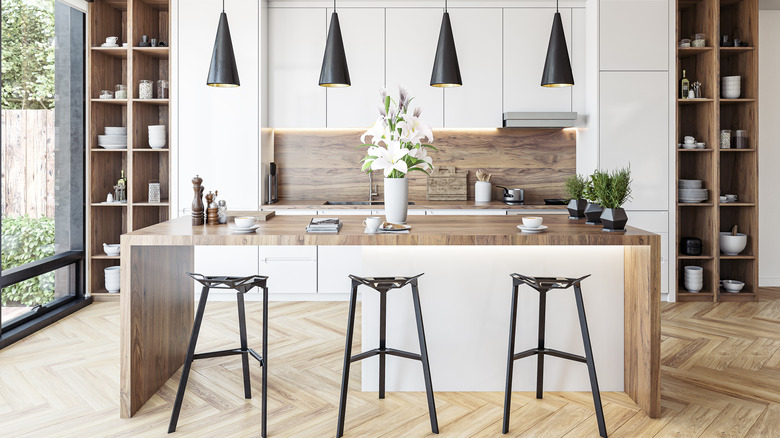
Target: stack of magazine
(324, 225)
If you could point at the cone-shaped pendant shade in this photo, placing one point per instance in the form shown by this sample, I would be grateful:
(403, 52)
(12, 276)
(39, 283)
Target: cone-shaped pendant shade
(557, 68)
(446, 71)
(223, 71)
(335, 72)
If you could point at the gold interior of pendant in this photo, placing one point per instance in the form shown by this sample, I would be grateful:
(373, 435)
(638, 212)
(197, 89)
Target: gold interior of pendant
(334, 85)
(446, 85)
(223, 85)
(557, 85)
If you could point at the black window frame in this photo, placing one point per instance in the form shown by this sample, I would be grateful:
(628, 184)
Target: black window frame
(46, 314)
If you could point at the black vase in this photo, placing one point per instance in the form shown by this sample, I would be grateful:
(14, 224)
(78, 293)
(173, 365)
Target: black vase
(593, 213)
(576, 208)
(614, 219)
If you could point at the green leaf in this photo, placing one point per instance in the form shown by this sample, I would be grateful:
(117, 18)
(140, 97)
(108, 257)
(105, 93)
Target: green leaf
(419, 170)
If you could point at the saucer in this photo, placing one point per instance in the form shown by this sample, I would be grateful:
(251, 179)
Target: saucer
(366, 231)
(525, 229)
(405, 228)
(237, 229)
(109, 45)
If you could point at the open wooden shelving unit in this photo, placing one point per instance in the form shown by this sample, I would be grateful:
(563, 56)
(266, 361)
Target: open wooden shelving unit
(108, 66)
(732, 171)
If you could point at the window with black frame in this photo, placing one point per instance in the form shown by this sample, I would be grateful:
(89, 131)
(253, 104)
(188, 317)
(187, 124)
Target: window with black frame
(42, 161)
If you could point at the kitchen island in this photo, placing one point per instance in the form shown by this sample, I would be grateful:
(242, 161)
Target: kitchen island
(157, 302)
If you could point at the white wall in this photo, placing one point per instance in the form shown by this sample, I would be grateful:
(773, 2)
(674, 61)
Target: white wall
(769, 147)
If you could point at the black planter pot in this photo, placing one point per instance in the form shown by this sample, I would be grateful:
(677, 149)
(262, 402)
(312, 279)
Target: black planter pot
(593, 213)
(576, 208)
(614, 219)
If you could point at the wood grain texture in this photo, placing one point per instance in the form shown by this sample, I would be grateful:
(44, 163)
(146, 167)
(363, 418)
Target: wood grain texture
(324, 164)
(319, 204)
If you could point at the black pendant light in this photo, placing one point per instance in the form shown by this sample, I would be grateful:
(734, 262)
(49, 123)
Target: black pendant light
(446, 71)
(557, 67)
(223, 71)
(335, 72)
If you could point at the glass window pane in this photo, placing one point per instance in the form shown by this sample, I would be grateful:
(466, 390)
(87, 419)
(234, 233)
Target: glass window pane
(42, 129)
(20, 299)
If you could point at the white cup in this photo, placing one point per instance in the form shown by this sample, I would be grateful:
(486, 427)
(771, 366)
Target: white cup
(532, 222)
(111, 40)
(483, 191)
(372, 223)
(731, 198)
(245, 221)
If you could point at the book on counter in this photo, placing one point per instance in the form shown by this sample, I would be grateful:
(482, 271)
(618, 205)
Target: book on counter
(324, 225)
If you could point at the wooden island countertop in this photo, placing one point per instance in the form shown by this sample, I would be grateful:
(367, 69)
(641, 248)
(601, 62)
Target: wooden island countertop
(157, 299)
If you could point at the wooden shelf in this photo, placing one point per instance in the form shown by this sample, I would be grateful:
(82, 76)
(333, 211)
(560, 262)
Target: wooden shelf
(734, 101)
(105, 257)
(151, 204)
(701, 296)
(699, 257)
(152, 101)
(694, 101)
(110, 101)
(701, 204)
(734, 50)
(113, 204)
(157, 52)
(737, 257)
(116, 52)
(165, 149)
(738, 150)
(103, 296)
(684, 52)
(99, 149)
(695, 150)
(737, 204)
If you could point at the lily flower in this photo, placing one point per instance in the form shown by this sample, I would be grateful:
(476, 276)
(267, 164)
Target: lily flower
(422, 155)
(390, 159)
(378, 131)
(413, 130)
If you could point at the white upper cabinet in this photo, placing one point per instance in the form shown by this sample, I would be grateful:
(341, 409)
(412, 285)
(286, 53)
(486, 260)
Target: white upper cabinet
(526, 36)
(363, 32)
(477, 104)
(635, 129)
(634, 34)
(295, 49)
(412, 35)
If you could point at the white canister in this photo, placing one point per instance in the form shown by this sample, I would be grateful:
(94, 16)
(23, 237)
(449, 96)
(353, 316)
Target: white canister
(483, 191)
(113, 277)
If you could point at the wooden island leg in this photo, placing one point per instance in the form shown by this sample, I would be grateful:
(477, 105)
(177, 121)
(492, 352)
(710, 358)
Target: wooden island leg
(642, 337)
(157, 302)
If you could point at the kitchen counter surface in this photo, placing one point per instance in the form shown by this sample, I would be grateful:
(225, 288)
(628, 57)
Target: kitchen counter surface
(418, 205)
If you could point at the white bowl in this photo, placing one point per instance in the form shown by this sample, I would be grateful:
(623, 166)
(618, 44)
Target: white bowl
(245, 221)
(156, 143)
(690, 183)
(732, 245)
(116, 130)
(730, 94)
(732, 286)
(694, 288)
(112, 139)
(111, 249)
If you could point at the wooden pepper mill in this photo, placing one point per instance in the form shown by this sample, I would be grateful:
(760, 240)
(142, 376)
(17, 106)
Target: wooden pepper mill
(197, 201)
(213, 209)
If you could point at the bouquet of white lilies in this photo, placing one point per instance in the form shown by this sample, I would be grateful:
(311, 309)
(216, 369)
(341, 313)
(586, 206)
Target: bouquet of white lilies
(396, 145)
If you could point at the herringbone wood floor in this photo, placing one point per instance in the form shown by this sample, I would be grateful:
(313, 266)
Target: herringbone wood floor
(720, 378)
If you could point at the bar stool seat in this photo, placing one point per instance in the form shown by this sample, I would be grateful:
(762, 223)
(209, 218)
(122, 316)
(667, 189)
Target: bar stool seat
(383, 285)
(544, 285)
(241, 285)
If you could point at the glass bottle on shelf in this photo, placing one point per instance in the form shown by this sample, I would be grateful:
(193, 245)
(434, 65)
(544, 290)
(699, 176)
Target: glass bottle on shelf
(121, 188)
(684, 86)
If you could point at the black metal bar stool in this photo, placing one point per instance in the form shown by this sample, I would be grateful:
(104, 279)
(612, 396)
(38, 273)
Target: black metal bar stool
(383, 285)
(544, 285)
(241, 285)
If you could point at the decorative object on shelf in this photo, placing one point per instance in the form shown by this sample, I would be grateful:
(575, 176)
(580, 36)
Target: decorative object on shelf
(156, 136)
(483, 189)
(197, 201)
(593, 209)
(109, 198)
(222, 213)
(691, 246)
(111, 249)
(446, 70)
(106, 94)
(694, 279)
(154, 191)
(212, 212)
(145, 89)
(120, 192)
(732, 286)
(684, 86)
(732, 243)
(613, 189)
(724, 42)
(445, 183)
(162, 89)
(223, 71)
(112, 279)
(120, 91)
(111, 41)
(162, 44)
(273, 184)
(725, 138)
(731, 87)
(740, 139)
(401, 131)
(575, 190)
(154, 42)
(557, 66)
(144, 41)
(696, 87)
(685, 42)
(334, 72)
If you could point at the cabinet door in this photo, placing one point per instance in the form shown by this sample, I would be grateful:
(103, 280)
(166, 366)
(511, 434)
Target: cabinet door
(363, 32)
(477, 104)
(291, 269)
(236, 261)
(411, 46)
(526, 36)
(634, 125)
(296, 44)
(634, 34)
(335, 264)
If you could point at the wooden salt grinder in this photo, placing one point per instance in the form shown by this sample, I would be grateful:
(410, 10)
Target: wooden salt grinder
(213, 212)
(197, 201)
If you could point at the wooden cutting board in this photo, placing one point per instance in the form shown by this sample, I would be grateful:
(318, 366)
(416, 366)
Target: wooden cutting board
(260, 215)
(447, 184)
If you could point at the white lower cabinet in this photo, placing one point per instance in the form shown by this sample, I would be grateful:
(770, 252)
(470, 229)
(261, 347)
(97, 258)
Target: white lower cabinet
(466, 212)
(335, 264)
(291, 269)
(239, 261)
(535, 212)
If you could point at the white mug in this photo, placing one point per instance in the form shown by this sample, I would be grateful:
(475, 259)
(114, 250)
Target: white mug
(111, 40)
(372, 223)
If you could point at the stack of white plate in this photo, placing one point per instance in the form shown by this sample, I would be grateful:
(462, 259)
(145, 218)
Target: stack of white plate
(692, 196)
(694, 278)
(689, 184)
(114, 138)
(730, 87)
(156, 136)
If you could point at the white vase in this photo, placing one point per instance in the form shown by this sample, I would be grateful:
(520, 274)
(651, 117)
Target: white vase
(396, 199)
(483, 191)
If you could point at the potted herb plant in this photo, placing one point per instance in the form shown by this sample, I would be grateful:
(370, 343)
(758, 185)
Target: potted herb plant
(396, 149)
(575, 188)
(593, 209)
(613, 189)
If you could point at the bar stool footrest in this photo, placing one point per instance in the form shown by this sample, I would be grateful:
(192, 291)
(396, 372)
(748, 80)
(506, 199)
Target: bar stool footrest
(231, 352)
(389, 351)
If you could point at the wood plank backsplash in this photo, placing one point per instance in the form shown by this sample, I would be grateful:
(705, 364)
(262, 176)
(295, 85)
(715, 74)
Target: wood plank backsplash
(324, 164)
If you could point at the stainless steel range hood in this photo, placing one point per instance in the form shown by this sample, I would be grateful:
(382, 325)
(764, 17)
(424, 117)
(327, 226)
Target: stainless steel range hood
(539, 120)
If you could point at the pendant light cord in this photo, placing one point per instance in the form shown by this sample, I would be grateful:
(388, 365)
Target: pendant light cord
(556, 5)
(223, 5)
(445, 6)
(334, 5)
